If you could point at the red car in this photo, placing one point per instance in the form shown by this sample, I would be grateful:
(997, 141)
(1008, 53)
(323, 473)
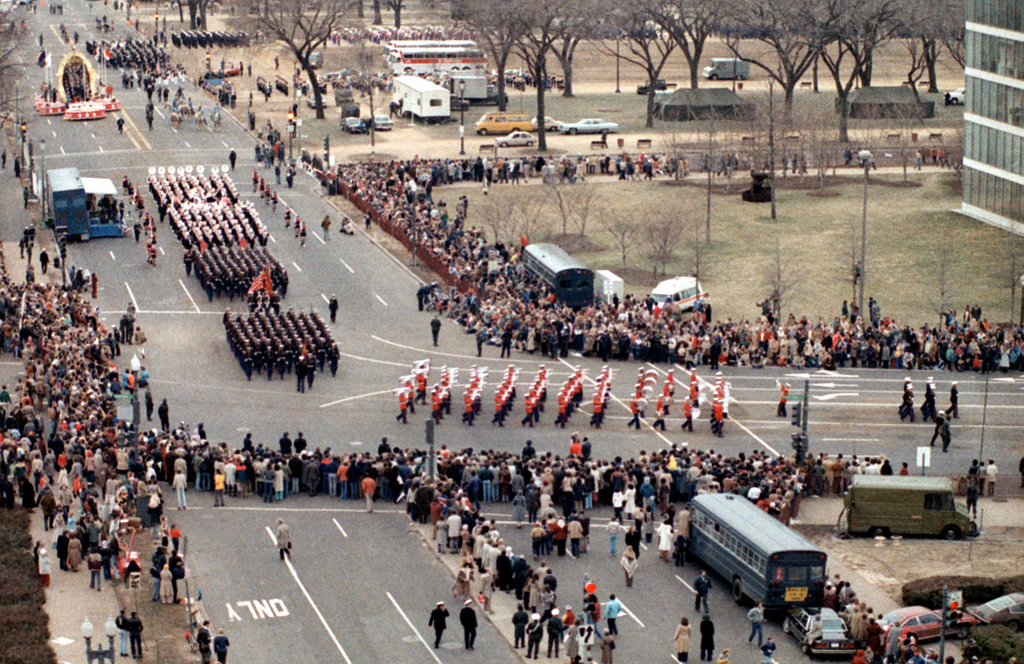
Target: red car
(923, 623)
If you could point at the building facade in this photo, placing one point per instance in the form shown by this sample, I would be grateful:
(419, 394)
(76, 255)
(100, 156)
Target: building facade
(993, 188)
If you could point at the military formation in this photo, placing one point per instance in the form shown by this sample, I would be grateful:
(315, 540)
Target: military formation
(207, 39)
(231, 270)
(285, 343)
(207, 211)
(129, 54)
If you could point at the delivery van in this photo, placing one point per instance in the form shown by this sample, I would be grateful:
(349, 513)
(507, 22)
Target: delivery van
(503, 123)
(727, 69)
(906, 505)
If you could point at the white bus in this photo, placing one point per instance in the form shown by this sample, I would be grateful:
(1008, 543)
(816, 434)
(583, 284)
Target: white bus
(438, 59)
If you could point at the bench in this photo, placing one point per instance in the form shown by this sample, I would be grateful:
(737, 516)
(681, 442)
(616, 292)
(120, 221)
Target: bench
(643, 142)
(484, 147)
(598, 145)
(805, 84)
(793, 137)
(937, 136)
(671, 86)
(748, 139)
(894, 137)
(281, 84)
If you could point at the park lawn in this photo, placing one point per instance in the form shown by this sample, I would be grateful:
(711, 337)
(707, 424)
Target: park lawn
(907, 228)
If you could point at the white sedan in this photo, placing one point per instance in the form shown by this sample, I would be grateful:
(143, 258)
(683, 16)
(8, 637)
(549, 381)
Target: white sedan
(589, 126)
(516, 139)
(382, 123)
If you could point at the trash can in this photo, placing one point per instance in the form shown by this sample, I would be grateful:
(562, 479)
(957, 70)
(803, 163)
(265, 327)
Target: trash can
(913, 137)
(621, 142)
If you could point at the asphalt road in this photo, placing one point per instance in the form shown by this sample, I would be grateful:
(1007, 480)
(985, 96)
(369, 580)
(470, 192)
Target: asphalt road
(353, 595)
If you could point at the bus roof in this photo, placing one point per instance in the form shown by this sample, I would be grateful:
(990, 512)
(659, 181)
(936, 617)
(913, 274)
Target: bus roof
(554, 257)
(906, 482)
(765, 532)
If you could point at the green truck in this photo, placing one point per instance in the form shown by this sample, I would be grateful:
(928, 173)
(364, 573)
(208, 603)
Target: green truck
(895, 505)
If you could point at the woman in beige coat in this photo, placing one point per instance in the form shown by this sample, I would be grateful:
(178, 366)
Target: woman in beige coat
(682, 640)
(74, 553)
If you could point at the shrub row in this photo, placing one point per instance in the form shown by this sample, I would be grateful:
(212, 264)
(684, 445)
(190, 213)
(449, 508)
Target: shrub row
(999, 643)
(976, 589)
(24, 625)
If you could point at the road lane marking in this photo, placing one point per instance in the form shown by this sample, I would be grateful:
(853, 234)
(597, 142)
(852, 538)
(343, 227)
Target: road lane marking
(297, 266)
(849, 440)
(298, 581)
(347, 267)
(162, 252)
(358, 396)
(325, 298)
(132, 296)
(185, 288)
(100, 147)
(734, 420)
(62, 150)
(373, 359)
(54, 134)
(112, 257)
(630, 614)
(158, 112)
(271, 238)
(186, 144)
(319, 238)
(134, 127)
(224, 144)
(381, 299)
(414, 630)
(680, 580)
(339, 527)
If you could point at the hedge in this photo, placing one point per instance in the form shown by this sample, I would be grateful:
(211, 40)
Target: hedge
(976, 589)
(24, 625)
(998, 643)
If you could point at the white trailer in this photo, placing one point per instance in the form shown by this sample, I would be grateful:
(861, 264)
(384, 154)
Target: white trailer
(607, 285)
(422, 99)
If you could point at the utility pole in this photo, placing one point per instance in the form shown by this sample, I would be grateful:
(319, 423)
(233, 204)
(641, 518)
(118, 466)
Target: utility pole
(430, 447)
(800, 441)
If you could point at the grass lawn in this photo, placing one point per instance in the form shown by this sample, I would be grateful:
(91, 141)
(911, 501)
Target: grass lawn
(24, 629)
(912, 233)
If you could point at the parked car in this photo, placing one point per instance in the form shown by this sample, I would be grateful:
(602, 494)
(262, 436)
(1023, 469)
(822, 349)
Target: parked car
(819, 631)
(1006, 610)
(516, 139)
(925, 623)
(955, 97)
(589, 126)
(382, 123)
(354, 126)
(549, 124)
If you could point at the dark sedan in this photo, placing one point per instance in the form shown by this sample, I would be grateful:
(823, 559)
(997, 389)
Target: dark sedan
(1006, 610)
(819, 632)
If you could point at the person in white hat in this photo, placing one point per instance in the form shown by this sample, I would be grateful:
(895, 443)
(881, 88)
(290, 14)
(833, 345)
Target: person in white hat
(439, 621)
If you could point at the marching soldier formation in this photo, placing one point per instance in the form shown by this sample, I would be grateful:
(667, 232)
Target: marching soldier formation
(206, 39)
(230, 270)
(284, 343)
(130, 54)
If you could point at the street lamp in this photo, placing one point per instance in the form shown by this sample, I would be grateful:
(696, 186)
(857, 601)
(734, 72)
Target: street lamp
(618, 40)
(291, 121)
(866, 158)
(99, 654)
(42, 181)
(136, 415)
(462, 116)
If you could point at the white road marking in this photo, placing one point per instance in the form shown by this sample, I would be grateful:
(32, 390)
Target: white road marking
(339, 527)
(185, 288)
(630, 614)
(132, 296)
(162, 252)
(100, 147)
(158, 112)
(414, 630)
(297, 266)
(358, 396)
(62, 150)
(834, 395)
(271, 238)
(224, 144)
(49, 121)
(112, 256)
(849, 440)
(319, 238)
(325, 298)
(680, 580)
(381, 299)
(619, 401)
(54, 134)
(375, 360)
(186, 144)
(323, 621)
(347, 267)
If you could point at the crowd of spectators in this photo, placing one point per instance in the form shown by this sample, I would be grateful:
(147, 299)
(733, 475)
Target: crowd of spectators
(490, 294)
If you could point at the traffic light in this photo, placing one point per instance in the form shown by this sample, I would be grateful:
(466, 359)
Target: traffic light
(24, 131)
(800, 446)
(291, 123)
(62, 245)
(327, 146)
(797, 413)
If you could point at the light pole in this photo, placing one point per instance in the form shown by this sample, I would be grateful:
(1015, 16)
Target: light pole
(136, 415)
(42, 182)
(99, 654)
(291, 125)
(866, 158)
(462, 116)
(618, 40)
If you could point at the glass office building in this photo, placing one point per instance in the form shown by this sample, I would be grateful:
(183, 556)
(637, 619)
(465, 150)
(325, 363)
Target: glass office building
(993, 189)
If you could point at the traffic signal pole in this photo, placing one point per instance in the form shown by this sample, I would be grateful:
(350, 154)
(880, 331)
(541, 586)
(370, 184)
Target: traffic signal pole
(800, 441)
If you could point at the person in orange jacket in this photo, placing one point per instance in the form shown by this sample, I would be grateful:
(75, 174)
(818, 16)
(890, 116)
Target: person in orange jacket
(403, 406)
(687, 416)
(634, 407)
(783, 397)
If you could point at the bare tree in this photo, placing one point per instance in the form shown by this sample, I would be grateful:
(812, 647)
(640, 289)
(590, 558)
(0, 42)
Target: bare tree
(575, 204)
(303, 26)
(848, 254)
(661, 235)
(819, 135)
(943, 277)
(710, 145)
(622, 228)
(779, 273)
(588, 203)
(793, 31)
(920, 29)
(563, 197)
(498, 29)
(690, 23)
(12, 39)
(696, 246)
(1011, 270)
(583, 17)
(197, 13)
(396, 7)
(540, 24)
(852, 33)
(953, 31)
(649, 45)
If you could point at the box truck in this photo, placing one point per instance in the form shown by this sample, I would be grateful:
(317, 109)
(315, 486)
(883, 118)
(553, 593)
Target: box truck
(422, 99)
(727, 69)
(608, 285)
(906, 505)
